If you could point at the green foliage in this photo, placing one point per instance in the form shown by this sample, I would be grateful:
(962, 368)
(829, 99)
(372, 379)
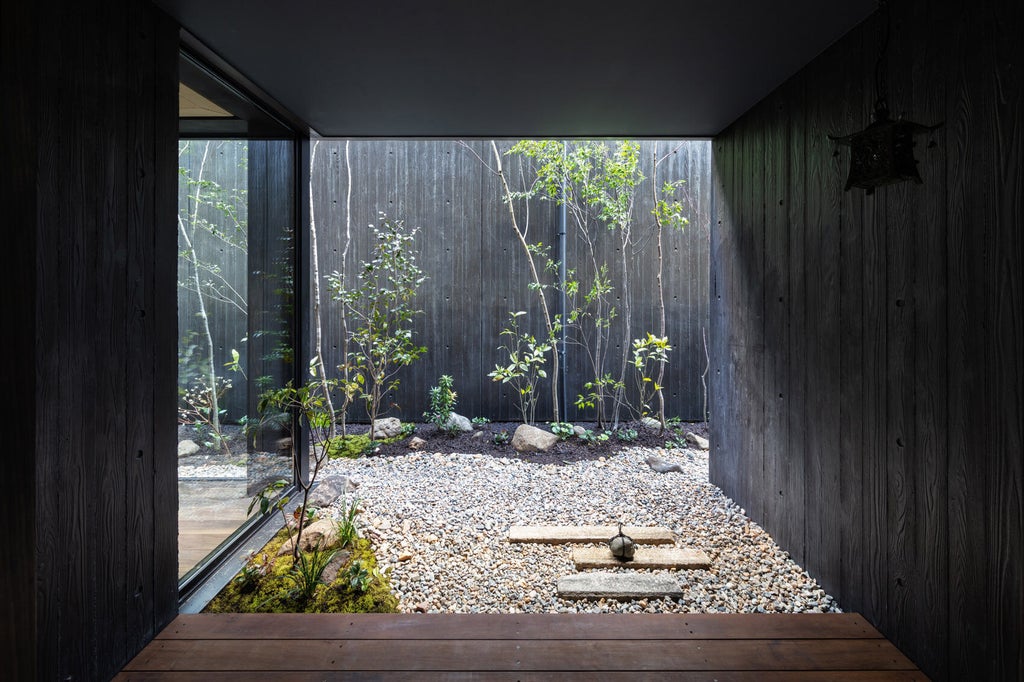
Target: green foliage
(257, 566)
(649, 353)
(480, 421)
(348, 528)
(307, 573)
(351, 446)
(359, 577)
(381, 307)
(442, 401)
(626, 435)
(525, 368)
(594, 437)
(564, 430)
(269, 593)
(502, 437)
(271, 499)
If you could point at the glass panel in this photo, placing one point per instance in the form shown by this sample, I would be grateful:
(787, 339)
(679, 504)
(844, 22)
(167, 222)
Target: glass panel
(235, 260)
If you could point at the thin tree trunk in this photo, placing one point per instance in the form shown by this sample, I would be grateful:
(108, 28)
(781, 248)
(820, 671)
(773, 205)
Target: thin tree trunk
(346, 373)
(661, 295)
(536, 280)
(194, 258)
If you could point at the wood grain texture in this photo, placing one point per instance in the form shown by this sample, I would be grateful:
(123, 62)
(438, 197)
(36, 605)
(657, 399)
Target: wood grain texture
(457, 644)
(477, 273)
(18, 111)
(93, 293)
(904, 337)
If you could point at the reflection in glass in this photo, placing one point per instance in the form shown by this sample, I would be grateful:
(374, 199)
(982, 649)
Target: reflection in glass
(234, 341)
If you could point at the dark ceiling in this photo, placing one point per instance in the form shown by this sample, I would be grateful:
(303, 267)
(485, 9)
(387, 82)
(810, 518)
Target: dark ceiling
(481, 68)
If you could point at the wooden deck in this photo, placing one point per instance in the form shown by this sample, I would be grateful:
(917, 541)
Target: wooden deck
(755, 648)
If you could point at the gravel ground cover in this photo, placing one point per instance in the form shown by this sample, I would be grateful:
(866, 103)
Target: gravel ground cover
(439, 522)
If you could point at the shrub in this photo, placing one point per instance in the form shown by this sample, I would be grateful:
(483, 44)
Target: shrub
(442, 401)
(564, 430)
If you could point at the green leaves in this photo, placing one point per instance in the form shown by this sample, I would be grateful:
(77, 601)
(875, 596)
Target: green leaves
(525, 367)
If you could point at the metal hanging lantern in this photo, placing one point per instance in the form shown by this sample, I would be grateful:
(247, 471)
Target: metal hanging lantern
(883, 153)
(622, 546)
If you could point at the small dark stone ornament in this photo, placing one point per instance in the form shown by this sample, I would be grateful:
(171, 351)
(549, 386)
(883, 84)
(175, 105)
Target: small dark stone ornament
(622, 546)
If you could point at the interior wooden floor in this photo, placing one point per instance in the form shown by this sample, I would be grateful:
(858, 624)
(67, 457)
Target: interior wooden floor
(761, 648)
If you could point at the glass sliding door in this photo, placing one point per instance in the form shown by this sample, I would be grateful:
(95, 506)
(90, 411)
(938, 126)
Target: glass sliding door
(236, 265)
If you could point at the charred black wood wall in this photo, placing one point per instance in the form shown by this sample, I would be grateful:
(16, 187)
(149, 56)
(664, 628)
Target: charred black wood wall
(90, 122)
(866, 360)
(477, 274)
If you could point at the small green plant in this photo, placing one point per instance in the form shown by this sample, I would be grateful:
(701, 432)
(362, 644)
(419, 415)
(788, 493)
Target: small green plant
(442, 401)
(626, 435)
(256, 567)
(525, 368)
(480, 421)
(564, 430)
(382, 307)
(593, 437)
(270, 498)
(676, 443)
(348, 529)
(408, 428)
(649, 357)
(198, 407)
(359, 578)
(307, 573)
(502, 437)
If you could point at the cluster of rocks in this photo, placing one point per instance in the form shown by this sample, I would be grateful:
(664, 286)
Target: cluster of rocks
(439, 523)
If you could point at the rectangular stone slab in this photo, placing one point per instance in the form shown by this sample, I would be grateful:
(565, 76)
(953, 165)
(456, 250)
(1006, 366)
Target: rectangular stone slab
(560, 535)
(620, 586)
(645, 557)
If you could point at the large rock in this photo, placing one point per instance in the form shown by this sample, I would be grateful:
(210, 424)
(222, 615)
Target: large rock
(456, 422)
(335, 565)
(329, 489)
(651, 424)
(389, 427)
(322, 534)
(187, 447)
(662, 466)
(694, 439)
(531, 439)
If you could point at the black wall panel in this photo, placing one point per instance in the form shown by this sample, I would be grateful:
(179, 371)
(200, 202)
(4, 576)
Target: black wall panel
(876, 341)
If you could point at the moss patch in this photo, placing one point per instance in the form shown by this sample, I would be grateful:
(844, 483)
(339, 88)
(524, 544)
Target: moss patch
(268, 593)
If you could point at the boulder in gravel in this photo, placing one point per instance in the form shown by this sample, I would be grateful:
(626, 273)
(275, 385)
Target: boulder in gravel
(456, 422)
(651, 423)
(661, 466)
(187, 447)
(531, 439)
(416, 443)
(694, 439)
(329, 489)
(322, 534)
(388, 427)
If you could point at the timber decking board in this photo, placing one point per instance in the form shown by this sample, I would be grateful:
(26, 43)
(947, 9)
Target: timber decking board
(543, 676)
(645, 557)
(544, 646)
(519, 626)
(560, 535)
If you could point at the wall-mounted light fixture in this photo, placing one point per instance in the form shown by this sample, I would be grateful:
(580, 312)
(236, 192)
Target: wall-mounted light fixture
(883, 153)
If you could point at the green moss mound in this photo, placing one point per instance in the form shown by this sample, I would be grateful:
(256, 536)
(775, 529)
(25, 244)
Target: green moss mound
(353, 446)
(269, 593)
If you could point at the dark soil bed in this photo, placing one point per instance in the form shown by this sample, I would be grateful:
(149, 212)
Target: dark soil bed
(573, 449)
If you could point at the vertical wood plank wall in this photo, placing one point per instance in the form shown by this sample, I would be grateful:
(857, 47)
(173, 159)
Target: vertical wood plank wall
(95, 97)
(866, 356)
(477, 273)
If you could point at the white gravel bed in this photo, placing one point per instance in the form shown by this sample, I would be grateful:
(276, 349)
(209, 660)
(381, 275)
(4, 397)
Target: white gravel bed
(440, 522)
(211, 471)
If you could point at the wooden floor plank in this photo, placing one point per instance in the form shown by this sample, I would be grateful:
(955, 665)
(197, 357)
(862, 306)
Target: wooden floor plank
(560, 535)
(538, 676)
(595, 626)
(520, 655)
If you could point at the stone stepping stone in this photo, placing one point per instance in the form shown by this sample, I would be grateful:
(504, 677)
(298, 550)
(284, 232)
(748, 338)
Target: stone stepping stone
(645, 557)
(619, 586)
(560, 535)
